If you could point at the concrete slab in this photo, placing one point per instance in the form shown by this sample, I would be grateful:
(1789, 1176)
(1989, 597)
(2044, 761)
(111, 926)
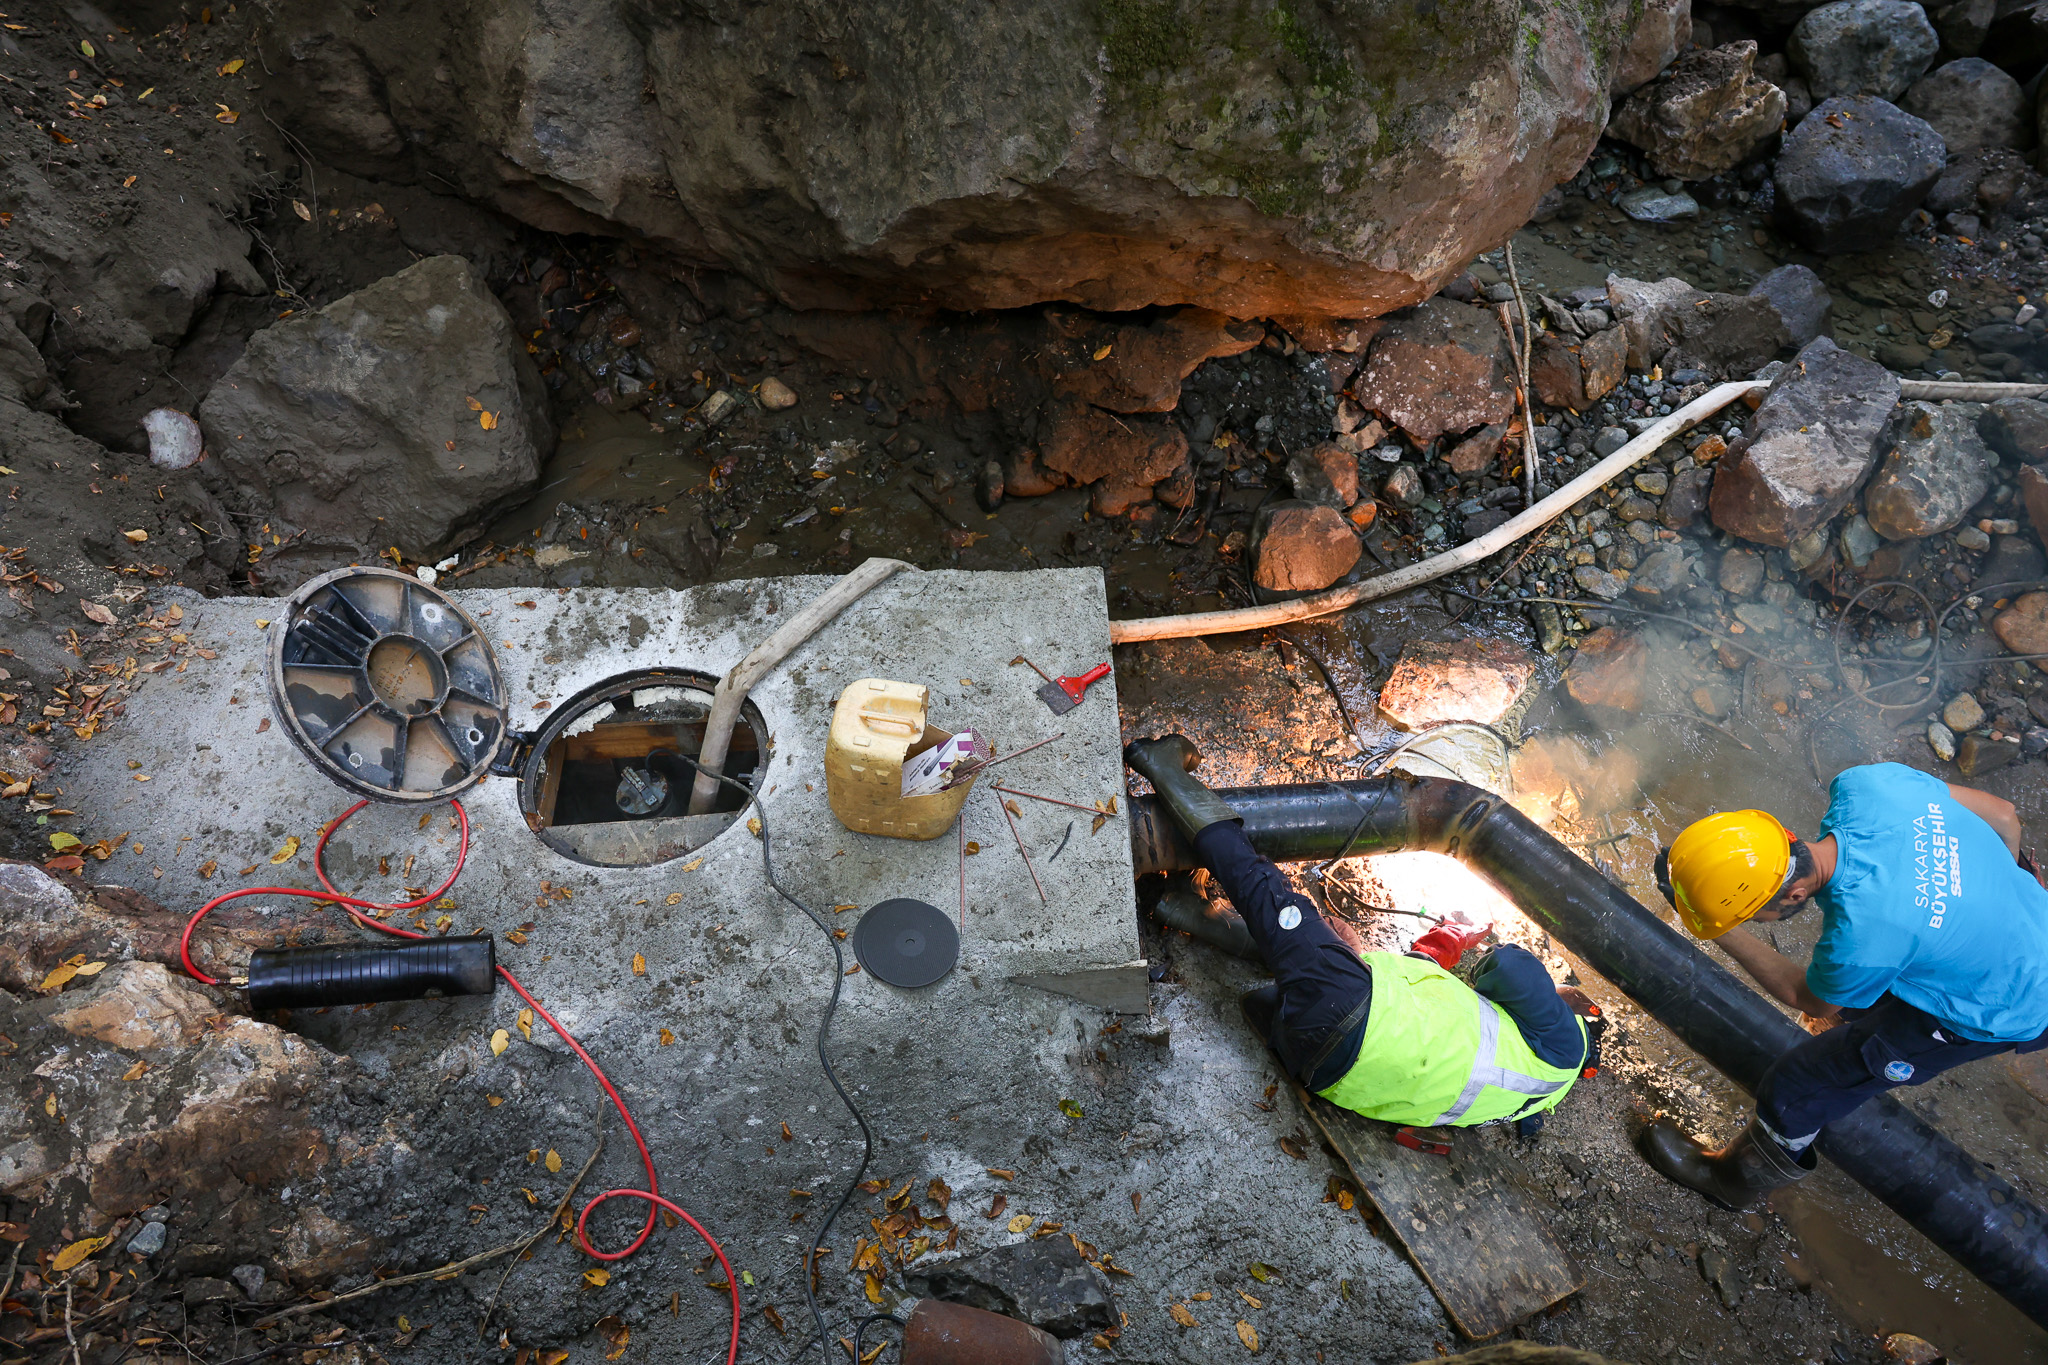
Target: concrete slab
(225, 790)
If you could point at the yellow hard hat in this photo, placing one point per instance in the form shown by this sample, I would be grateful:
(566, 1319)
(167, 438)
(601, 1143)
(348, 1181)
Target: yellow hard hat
(1725, 868)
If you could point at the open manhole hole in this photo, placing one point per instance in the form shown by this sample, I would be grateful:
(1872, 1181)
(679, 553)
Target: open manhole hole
(607, 782)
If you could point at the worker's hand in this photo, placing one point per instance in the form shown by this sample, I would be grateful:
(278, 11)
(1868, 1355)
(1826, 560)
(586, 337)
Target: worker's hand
(1447, 942)
(1580, 1002)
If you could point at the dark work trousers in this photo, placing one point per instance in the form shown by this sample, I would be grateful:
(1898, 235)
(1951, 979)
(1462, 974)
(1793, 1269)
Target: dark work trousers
(1322, 993)
(1830, 1075)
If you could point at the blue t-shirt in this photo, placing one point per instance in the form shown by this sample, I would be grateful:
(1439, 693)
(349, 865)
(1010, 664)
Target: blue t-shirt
(1926, 902)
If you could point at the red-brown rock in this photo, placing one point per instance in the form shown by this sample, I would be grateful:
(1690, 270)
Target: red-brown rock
(1611, 669)
(1475, 679)
(1301, 547)
(1442, 367)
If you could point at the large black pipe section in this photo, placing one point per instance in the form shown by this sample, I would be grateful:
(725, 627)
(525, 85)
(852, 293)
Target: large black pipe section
(1961, 1205)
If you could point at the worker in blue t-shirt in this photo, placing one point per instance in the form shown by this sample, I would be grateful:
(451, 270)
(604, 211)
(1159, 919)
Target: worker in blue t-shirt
(1934, 950)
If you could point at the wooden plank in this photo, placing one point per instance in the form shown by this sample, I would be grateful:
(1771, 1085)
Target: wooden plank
(1469, 1221)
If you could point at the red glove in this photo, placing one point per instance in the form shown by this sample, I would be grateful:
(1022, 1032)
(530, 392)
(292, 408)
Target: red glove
(1447, 942)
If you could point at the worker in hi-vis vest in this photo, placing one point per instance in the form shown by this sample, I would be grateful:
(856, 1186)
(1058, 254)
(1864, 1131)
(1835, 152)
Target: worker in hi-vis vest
(1933, 952)
(1394, 1036)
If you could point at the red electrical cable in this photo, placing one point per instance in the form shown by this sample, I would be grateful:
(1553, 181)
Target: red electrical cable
(354, 905)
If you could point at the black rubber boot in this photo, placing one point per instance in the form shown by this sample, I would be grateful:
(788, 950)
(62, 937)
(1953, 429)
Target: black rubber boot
(1181, 907)
(1166, 763)
(1735, 1177)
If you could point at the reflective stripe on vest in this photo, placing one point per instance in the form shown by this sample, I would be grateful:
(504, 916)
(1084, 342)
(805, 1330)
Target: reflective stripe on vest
(1486, 1070)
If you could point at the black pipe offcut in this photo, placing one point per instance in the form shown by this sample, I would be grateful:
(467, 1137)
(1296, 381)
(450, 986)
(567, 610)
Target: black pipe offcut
(1961, 1205)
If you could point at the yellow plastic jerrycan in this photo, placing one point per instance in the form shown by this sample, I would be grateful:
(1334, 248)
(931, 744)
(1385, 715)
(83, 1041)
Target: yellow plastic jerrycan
(876, 726)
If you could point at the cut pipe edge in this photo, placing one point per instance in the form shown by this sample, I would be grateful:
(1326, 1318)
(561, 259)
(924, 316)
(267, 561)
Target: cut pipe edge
(732, 689)
(1958, 1203)
(1523, 523)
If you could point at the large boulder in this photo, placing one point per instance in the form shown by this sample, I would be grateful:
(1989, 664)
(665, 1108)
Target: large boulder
(1972, 105)
(1800, 299)
(1936, 470)
(1474, 679)
(1703, 116)
(1662, 32)
(2017, 427)
(1807, 448)
(2018, 36)
(1851, 172)
(1442, 367)
(1313, 159)
(1670, 322)
(1963, 24)
(1863, 47)
(404, 414)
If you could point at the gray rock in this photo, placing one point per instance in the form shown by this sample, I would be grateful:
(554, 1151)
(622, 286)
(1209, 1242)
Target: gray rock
(1686, 503)
(1702, 117)
(1661, 33)
(2017, 427)
(1798, 100)
(1598, 582)
(1671, 323)
(1655, 482)
(2018, 36)
(1962, 24)
(1973, 539)
(1963, 713)
(1802, 301)
(1548, 622)
(1936, 470)
(1760, 616)
(356, 422)
(1863, 47)
(1972, 105)
(250, 1277)
(1610, 440)
(925, 155)
(1043, 1282)
(1742, 572)
(1807, 448)
(1718, 1269)
(2034, 742)
(1662, 574)
(1403, 486)
(1850, 173)
(1652, 205)
(1942, 740)
(1636, 508)
(1859, 541)
(148, 1239)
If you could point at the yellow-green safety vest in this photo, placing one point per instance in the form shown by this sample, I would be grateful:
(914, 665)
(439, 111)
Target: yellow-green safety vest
(1437, 1052)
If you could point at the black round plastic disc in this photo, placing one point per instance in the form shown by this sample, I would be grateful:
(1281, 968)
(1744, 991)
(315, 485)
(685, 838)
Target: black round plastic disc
(906, 943)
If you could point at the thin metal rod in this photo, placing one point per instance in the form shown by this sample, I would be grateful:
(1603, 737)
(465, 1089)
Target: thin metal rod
(960, 830)
(1011, 820)
(960, 777)
(1052, 800)
(1020, 659)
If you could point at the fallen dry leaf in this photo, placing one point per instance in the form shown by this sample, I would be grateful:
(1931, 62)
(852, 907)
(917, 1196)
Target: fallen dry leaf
(938, 1192)
(995, 1209)
(554, 1161)
(92, 969)
(1001, 1174)
(302, 211)
(135, 537)
(1249, 1299)
(1261, 1272)
(57, 977)
(1102, 352)
(136, 1072)
(499, 1042)
(76, 1252)
(666, 1037)
(1071, 1109)
(95, 612)
(230, 68)
(289, 851)
(639, 965)
(1020, 1222)
(774, 1319)
(487, 420)
(597, 1277)
(673, 898)
(874, 1288)
(1249, 1335)
(526, 1025)
(1181, 1315)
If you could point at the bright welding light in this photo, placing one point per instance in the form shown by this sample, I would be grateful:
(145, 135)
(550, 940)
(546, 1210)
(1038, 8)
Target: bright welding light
(1442, 886)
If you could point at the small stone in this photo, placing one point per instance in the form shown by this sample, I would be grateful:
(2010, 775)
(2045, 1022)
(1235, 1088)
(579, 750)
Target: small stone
(719, 406)
(1549, 625)
(1742, 572)
(1942, 740)
(775, 395)
(988, 486)
(2015, 427)
(1686, 503)
(1717, 1268)
(1648, 205)
(624, 332)
(175, 441)
(1976, 755)
(1473, 679)
(250, 1277)
(1655, 482)
(1599, 582)
(1043, 1282)
(1936, 469)
(148, 1239)
(1801, 300)
(1713, 700)
(1477, 452)
(205, 1289)
(1403, 486)
(1972, 539)
(1325, 474)
(2034, 742)
(1662, 574)
(1859, 541)
(1963, 713)
(1636, 508)
(1610, 440)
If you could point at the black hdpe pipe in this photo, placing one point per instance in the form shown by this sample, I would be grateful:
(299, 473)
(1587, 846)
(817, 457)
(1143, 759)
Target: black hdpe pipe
(371, 973)
(1961, 1205)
